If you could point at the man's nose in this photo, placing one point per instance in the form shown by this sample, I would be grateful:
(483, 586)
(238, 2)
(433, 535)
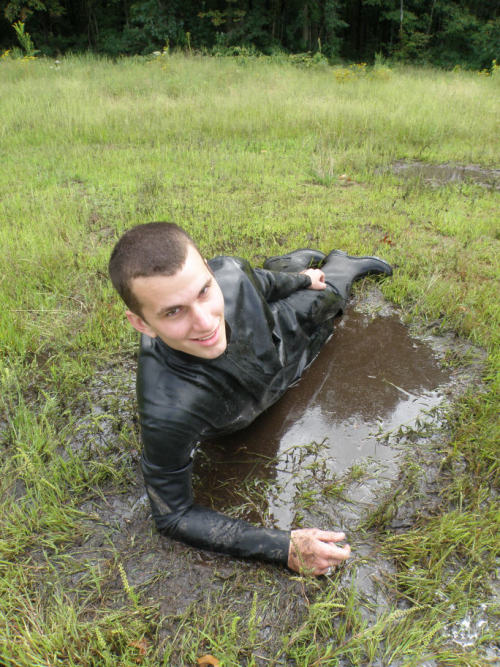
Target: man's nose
(201, 317)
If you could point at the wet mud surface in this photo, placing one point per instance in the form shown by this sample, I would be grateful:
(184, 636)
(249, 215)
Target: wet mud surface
(370, 380)
(336, 452)
(436, 175)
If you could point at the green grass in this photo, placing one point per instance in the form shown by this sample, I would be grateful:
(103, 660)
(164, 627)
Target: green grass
(249, 157)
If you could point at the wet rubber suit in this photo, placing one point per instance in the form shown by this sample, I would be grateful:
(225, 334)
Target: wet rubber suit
(276, 327)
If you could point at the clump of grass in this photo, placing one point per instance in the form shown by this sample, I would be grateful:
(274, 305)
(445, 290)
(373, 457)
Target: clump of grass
(447, 556)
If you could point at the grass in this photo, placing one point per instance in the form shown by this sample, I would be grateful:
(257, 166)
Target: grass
(253, 158)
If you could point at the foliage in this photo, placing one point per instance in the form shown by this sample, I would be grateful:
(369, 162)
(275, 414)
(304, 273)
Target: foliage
(24, 39)
(443, 32)
(23, 9)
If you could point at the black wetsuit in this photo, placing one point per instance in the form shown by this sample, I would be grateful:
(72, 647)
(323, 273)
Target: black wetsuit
(276, 327)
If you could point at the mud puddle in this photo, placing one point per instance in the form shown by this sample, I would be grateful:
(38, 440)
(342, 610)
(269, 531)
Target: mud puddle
(370, 380)
(437, 175)
(333, 453)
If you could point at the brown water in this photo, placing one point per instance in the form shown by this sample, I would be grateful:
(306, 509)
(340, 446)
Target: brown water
(371, 377)
(442, 174)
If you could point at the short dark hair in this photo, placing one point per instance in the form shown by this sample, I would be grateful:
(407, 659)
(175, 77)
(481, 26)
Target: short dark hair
(155, 248)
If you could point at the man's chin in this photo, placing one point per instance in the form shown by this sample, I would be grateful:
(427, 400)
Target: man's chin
(207, 352)
(215, 354)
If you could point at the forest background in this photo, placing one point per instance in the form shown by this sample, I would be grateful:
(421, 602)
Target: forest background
(445, 33)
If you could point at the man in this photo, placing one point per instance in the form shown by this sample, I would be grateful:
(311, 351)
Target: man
(221, 342)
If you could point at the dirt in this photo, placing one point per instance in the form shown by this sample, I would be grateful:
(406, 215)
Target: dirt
(363, 427)
(436, 175)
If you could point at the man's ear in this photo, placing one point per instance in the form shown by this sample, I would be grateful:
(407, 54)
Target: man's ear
(139, 324)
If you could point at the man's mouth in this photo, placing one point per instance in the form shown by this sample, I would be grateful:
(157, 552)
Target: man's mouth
(211, 337)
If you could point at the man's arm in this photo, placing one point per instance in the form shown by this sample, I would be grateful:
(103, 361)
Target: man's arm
(175, 514)
(308, 550)
(275, 285)
(173, 411)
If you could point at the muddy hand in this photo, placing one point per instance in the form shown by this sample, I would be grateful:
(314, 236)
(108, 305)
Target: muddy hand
(317, 278)
(314, 551)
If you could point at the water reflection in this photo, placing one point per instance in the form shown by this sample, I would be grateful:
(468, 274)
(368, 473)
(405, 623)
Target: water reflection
(371, 376)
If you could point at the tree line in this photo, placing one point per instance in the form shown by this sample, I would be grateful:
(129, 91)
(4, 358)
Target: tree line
(439, 32)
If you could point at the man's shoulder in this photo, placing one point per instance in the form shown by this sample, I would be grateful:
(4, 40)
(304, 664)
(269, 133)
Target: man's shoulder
(157, 358)
(229, 263)
(152, 362)
(169, 381)
(233, 274)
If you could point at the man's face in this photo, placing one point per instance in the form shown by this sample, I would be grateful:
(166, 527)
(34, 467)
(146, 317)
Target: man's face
(185, 310)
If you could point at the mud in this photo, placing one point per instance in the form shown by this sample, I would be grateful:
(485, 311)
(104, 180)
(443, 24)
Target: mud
(437, 175)
(372, 378)
(354, 445)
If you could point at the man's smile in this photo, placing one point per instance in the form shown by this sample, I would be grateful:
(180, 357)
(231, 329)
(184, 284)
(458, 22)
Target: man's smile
(210, 338)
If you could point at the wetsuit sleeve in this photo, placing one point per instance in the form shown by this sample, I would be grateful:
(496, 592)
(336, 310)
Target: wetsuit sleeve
(275, 285)
(175, 514)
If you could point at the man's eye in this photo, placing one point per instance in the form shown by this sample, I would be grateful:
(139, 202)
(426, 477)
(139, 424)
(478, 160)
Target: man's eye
(173, 312)
(204, 291)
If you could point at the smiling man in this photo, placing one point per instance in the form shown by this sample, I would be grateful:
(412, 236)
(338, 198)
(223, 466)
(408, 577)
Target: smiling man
(221, 342)
(186, 310)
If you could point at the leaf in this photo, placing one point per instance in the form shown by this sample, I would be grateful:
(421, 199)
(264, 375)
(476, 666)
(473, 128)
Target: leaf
(208, 661)
(142, 647)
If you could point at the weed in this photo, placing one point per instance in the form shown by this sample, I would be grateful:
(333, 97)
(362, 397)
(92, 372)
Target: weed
(131, 594)
(25, 40)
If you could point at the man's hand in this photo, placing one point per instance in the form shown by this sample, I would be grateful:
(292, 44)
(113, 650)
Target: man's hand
(317, 278)
(313, 551)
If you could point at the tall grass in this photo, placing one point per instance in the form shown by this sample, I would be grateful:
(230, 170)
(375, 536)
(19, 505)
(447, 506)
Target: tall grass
(253, 158)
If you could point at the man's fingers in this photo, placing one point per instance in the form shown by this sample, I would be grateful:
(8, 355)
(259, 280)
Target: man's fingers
(327, 568)
(317, 278)
(328, 555)
(330, 536)
(319, 282)
(333, 552)
(316, 550)
(342, 553)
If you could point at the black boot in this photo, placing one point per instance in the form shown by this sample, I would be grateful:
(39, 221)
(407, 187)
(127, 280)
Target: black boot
(296, 261)
(341, 270)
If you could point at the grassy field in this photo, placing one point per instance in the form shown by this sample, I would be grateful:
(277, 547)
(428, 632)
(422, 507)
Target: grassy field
(253, 158)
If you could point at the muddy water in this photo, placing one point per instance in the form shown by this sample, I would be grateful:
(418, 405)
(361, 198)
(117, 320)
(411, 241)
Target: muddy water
(442, 174)
(371, 378)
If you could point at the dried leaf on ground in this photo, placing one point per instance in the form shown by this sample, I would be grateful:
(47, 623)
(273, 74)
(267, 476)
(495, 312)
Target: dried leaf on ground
(208, 661)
